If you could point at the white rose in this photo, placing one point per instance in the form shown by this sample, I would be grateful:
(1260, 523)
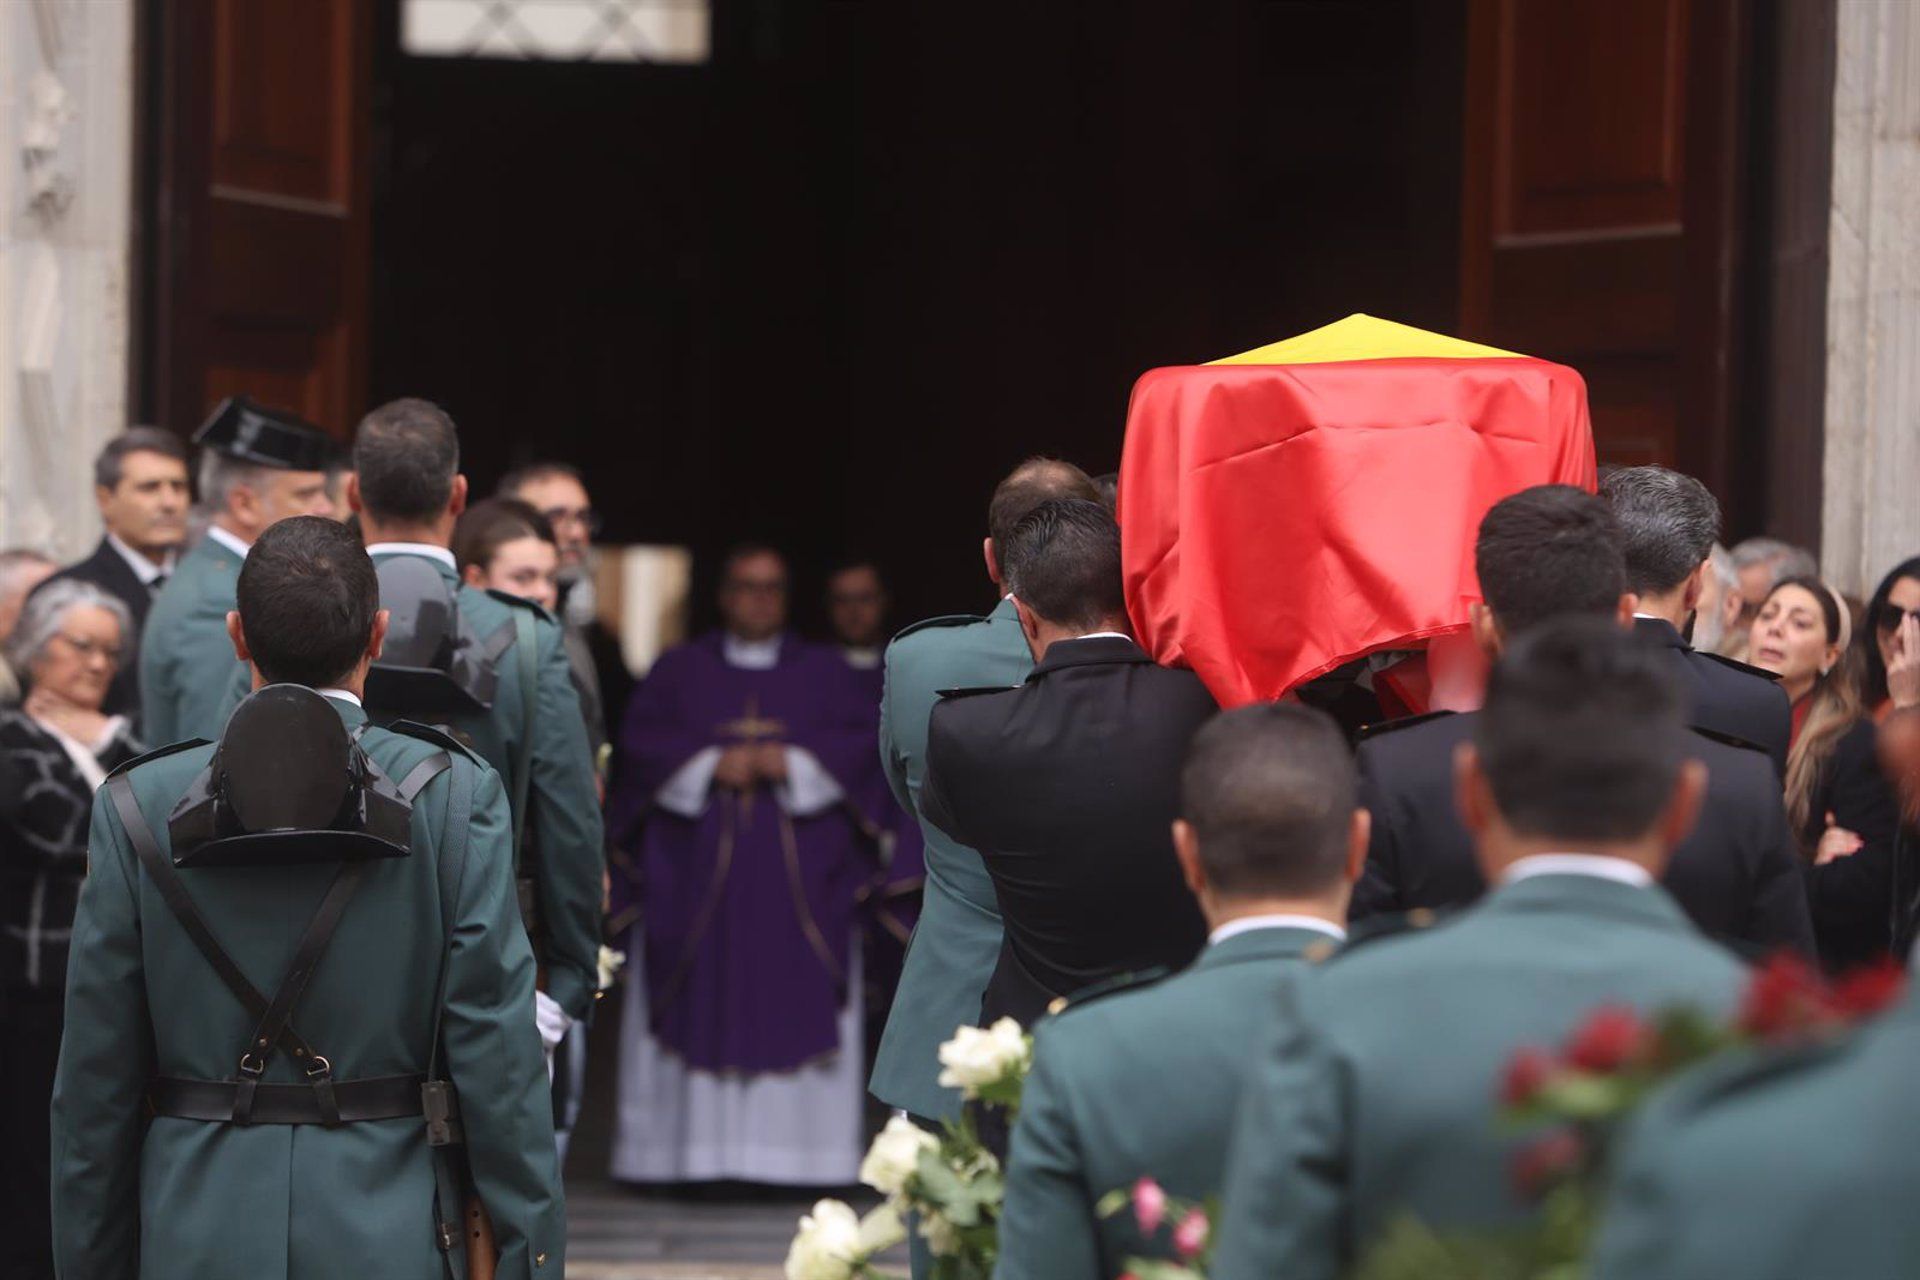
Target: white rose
(827, 1245)
(894, 1155)
(942, 1237)
(611, 962)
(881, 1230)
(975, 1058)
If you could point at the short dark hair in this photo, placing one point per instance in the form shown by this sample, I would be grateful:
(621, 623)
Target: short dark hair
(487, 526)
(748, 550)
(520, 477)
(1063, 562)
(1270, 790)
(406, 454)
(111, 463)
(1668, 525)
(1548, 551)
(1033, 482)
(1582, 734)
(307, 595)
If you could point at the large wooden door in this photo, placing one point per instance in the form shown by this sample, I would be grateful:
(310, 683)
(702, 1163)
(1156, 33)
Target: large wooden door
(261, 198)
(1599, 210)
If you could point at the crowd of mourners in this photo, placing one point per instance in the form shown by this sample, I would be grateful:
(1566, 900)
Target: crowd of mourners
(1280, 955)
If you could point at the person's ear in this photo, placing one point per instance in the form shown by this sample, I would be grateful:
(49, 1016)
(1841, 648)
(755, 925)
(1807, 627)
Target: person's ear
(245, 506)
(993, 563)
(1029, 620)
(102, 496)
(457, 498)
(1486, 630)
(1623, 611)
(1359, 836)
(1696, 586)
(473, 576)
(1683, 806)
(237, 634)
(377, 637)
(1186, 850)
(1472, 796)
(353, 493)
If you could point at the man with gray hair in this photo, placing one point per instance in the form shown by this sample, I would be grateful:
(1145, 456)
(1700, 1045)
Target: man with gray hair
(1763, 563)
(1668, 523)
(258, 466)
(1716, 616)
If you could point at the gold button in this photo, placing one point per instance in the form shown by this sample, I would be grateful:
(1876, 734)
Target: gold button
(1057, 1004)
(539, 1259)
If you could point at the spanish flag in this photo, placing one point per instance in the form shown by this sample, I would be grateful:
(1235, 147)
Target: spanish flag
(1287, 510)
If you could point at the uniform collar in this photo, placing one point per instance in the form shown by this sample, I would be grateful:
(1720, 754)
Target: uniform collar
(1587, 895)
(1088, 651)
(1618, 870)
(431, 551)
(1658, 629)
(1005, 612)
(1277, 941)
(341, 695)
(225, 538)
(352, 714)
(1278, 920)
(144, 569)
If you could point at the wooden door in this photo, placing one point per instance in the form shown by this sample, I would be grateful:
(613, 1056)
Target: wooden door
(261, 197)
(1599, 210)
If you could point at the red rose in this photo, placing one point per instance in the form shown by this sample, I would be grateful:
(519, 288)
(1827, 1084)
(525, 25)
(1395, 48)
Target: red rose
(1546, 1160)
(1784, 995)
(1610, 1038)
(1869, 989)
(1527, 1073)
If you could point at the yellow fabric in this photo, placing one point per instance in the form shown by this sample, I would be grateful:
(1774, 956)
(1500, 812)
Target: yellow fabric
(1361, 337)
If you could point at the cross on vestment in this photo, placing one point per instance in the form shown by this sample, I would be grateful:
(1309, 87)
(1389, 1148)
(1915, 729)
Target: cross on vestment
(751, 730)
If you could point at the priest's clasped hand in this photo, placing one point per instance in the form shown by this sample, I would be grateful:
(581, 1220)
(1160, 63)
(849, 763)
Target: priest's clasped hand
(743, 767)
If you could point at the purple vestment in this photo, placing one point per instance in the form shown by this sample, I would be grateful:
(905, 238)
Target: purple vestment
(746, 912)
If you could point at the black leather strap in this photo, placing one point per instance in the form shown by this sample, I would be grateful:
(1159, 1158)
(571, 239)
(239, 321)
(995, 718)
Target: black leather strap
(381, 1098)
(421, 774)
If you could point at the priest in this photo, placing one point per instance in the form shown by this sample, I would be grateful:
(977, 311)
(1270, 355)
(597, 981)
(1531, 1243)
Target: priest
(747, 756)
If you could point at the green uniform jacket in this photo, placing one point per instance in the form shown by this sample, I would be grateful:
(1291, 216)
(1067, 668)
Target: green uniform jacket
(1138, 1084)
(565, 851)
(1378, 1094)
(957, 940)
(1780, 1167)
(186, 660)
(206, 1201)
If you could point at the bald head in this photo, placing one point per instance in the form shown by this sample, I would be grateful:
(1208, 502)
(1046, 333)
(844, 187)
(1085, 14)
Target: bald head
(1033, 482)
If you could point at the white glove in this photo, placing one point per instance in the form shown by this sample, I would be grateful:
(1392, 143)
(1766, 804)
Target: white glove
(550, 1019)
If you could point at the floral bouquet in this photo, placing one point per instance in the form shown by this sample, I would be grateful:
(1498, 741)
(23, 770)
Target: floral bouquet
(949, 1182)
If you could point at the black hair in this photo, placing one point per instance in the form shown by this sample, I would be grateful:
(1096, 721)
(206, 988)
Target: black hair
(1873, 669)
(1668, 525)
(748, 550)
(1270, 790)
(307, 596)
(110, 464)
(1582, 734)
(1548, 551)
(520, 477)
(1033, 482)
(488, 525)
(406, 455)
(1063, 562)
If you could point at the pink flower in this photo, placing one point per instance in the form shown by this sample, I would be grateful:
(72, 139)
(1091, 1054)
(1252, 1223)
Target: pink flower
(1149, 1205)
(1190, 1237)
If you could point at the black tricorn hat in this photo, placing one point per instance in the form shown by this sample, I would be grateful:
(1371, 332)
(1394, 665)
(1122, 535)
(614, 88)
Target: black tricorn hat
(432, 662)
(265, 437)
(288, 784)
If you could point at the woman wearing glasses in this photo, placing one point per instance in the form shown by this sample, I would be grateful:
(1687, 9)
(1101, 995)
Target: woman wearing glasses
(56, 748)
(1890, 657)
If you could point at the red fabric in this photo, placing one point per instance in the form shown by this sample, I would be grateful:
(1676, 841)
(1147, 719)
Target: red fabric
(1279, 520)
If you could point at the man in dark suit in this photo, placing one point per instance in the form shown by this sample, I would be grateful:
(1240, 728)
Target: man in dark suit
(140, 482)
(1068, 785)
(1547, 552)
(1668, 523)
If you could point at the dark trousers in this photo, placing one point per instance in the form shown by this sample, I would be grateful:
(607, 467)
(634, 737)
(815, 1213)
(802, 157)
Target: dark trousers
(30, 1022)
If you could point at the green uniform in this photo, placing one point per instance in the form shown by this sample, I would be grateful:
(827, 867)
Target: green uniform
(565, 849)
(957, 940)
(204, 1200)
(1378, 1094)
(1141, 1083)
(186, 659)
(1782, 1167)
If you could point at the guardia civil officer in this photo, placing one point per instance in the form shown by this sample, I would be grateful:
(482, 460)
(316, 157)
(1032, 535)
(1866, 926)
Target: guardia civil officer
(299, 985)
(257, 465)
(1668, 523)
(1544, 553)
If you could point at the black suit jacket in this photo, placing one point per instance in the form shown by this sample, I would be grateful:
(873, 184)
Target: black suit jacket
(1068, 787)
(1739, 875)
(1726, 697)
(1853, 897)
(106, 569)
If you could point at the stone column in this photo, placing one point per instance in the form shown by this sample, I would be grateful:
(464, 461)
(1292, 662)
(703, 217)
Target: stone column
(66, 193)
(1870, 511)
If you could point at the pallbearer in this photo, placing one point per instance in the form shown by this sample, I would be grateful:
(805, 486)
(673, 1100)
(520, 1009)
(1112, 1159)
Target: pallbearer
(298, 953)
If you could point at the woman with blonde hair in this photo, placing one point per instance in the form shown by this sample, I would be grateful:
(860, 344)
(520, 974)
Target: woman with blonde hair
(1838, 801)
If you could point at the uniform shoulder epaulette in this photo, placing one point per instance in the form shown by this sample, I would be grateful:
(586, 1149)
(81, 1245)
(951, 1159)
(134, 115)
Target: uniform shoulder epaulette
(1369, 731)
(1376, 929)
(945, 620)
(1727, 739)
(158, 753)
(520, 602)
(1735, 664)
(1110, 987)
(948, 695)
(438, 736)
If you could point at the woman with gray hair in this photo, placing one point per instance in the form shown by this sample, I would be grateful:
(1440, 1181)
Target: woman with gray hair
(55, 748)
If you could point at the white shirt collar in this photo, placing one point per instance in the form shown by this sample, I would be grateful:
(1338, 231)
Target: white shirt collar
(1105, 635)
(1579, 864)
(1279, 920)
(231, 541)
(427, 549)
(345, 695)
(754, 655)
(143, 568)
(863, 657)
